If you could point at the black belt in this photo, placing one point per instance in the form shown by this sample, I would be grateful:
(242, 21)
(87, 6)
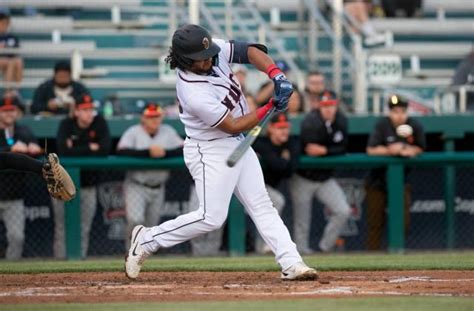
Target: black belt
(158, 186)
(234, 135)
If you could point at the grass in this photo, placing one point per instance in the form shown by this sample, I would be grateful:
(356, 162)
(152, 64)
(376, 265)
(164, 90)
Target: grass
(346, 304)
(342, 262)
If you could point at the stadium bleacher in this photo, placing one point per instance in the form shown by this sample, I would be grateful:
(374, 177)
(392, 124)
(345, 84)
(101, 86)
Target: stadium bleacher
(122, 54)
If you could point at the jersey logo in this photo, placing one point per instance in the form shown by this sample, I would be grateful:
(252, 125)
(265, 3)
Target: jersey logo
(205, 43)
(232, 98)
(338, 137)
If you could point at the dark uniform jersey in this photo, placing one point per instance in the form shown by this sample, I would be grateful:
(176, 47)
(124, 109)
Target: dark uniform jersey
(275, 166)
(332, 135)
(12, 183)
(385, 134)
(97, 132)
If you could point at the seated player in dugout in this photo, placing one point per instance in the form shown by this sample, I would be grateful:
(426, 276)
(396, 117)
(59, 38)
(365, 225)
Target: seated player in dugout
(57, 95)
(18, 139)
(279, 153)
(86, 134)
(323, 133)
(145, 189)
(11, 65)
(394, 135)
(215, 113)
(18, 146)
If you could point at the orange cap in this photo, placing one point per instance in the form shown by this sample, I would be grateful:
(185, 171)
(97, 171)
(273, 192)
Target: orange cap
(152, 110)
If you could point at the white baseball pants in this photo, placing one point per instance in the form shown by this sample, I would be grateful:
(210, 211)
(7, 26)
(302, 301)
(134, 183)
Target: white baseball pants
(13, 214)
(215, 183)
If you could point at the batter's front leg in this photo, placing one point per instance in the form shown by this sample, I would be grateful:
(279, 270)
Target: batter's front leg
(214, 183)
(251, 192)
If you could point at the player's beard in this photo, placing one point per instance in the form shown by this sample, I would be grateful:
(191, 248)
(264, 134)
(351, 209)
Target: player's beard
(205, 69)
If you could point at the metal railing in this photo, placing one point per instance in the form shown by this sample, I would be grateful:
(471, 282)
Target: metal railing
(356, 58)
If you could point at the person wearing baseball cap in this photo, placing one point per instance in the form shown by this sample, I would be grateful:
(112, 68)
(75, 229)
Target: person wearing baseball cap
(85, 134)
(145, 189)
(323, 133)
(394, 135)
(17, 139)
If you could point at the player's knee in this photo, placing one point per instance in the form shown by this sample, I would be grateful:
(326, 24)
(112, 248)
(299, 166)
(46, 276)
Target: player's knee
(344, 212)
(215, 222)
(18, 62)
(279, 203)
(16, 237)
(135, 219)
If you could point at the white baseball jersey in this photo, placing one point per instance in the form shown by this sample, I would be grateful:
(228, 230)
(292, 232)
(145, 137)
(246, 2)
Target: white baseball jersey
(205, 100)
(135, 137)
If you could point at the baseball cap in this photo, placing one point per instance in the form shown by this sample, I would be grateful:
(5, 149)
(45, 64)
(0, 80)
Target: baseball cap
(396, 101)
(9, 103)
(152, 110)
(328, 98)
(84, 102)
(62, 65)
(280, 120)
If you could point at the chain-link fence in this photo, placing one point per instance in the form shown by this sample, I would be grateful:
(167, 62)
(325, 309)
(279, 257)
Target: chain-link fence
(111, 203)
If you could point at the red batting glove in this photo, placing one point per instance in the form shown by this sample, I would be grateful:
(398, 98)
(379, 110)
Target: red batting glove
(273, 71)
(262, 111)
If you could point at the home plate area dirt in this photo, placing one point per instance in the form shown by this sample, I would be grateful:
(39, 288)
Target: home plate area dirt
(219, 286)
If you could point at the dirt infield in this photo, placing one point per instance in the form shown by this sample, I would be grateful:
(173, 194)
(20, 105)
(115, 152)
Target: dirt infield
(194, 286)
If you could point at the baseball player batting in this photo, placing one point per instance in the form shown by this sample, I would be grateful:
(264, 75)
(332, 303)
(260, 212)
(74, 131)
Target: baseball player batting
(214, 112)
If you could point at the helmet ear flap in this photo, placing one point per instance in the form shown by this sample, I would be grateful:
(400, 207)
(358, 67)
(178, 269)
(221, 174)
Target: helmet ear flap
(215, 60)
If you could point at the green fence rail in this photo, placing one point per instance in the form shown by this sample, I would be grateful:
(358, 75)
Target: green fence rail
(395, 182)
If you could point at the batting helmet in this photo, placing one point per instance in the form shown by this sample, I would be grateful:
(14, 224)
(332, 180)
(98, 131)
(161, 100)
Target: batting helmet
(194, 42)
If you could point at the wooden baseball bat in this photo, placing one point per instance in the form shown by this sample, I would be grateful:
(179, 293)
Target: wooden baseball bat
(249, 139)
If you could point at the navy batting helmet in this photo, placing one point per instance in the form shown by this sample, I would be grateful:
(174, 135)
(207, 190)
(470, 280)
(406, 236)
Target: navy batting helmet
(194, 42)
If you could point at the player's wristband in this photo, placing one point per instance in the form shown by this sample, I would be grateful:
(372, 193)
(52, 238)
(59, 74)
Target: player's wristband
(273, 70)
(262, 111)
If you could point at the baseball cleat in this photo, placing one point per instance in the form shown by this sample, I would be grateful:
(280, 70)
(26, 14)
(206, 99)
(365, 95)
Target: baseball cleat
(136, 254)
(299, 272)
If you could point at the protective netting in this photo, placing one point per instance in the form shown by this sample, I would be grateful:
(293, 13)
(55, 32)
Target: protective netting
(33, 226)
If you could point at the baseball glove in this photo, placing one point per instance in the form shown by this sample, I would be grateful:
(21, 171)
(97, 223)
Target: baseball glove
(58, 181)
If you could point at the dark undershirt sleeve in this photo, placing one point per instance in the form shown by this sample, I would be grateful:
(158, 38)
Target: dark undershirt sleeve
(240, 51)
(143, 153)
(20, 162)
(177, 152)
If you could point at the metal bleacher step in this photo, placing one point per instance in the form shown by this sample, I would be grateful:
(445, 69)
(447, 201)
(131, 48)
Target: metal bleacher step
(425, 26)
(428, 50)
(54, 4)
(430, 73)
(104, 83)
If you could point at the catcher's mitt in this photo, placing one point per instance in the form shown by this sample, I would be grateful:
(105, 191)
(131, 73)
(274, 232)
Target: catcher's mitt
(60, 185)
